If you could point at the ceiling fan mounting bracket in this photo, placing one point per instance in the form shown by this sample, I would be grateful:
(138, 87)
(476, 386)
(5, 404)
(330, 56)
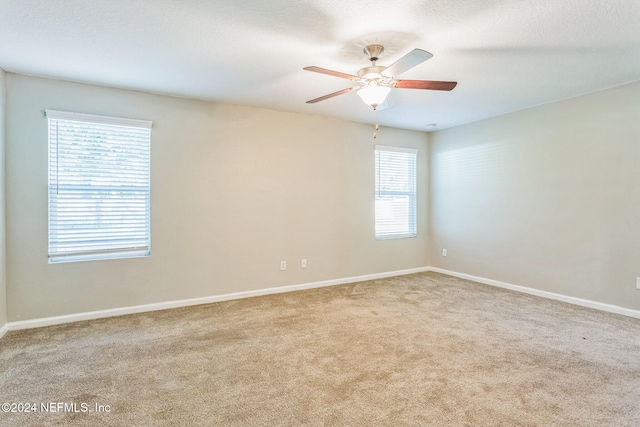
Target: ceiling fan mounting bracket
(373, 52)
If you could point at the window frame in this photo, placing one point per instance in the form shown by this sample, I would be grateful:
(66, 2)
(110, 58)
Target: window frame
(106, 187)
(411, 193)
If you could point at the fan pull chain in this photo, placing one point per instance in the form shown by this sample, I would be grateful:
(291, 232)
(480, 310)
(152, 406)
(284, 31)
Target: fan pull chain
(375, 119)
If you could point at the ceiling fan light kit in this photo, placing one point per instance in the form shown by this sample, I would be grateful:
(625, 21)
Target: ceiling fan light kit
(374, 94)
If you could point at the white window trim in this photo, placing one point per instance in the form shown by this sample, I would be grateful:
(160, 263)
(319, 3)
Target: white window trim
(104, 253)
(411, 234)
(396, 149)
(93, 118)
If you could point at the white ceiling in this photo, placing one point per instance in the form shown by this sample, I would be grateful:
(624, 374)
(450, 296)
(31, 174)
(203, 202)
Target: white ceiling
(506, 55)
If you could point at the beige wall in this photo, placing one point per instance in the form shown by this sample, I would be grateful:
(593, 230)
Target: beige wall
(234, 191)
(3, 264)
(547, 198)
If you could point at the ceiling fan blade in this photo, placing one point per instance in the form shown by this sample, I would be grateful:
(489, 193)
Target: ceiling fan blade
(331, 95)
(410, 60)
(424, 84)
(331, 73)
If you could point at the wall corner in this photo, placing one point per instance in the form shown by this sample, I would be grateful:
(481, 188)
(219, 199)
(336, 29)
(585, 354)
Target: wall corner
(3, 234)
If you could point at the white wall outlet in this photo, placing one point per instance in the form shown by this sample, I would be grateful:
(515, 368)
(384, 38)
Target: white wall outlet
(283, 265)
(444, 252)
(303, 263)
(637, 282)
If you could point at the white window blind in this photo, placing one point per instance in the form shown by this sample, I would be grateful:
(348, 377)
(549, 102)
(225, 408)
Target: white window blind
(99, 187)
(395, 192)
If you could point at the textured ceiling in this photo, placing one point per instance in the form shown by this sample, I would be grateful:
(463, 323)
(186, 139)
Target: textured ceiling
(506, 55)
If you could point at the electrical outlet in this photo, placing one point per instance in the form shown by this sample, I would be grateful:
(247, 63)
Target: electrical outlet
(303, 264)
(444, 252)
(637, 282)
(283, 265)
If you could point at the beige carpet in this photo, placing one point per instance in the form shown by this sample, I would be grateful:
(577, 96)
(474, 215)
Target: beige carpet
(418, 350)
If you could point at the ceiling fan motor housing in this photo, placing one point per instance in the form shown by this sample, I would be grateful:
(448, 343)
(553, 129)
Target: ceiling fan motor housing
(371, 73)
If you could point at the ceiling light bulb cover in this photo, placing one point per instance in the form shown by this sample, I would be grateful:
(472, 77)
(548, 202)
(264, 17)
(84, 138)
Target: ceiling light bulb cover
(374, 95)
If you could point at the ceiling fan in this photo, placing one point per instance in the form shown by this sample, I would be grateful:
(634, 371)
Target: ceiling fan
(375, 82)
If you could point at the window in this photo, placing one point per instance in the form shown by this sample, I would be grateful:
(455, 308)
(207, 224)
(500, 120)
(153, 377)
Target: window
(395, 192)
(98, 187)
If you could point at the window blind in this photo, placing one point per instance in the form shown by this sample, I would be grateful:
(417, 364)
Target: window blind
(99, 186)
(395, 201)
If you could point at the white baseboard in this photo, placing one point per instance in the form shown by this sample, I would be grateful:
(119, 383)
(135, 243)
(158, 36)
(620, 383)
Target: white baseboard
(69, 318)
(4, 330)
(571, 300)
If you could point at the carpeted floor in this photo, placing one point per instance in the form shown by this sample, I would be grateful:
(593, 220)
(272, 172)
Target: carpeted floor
(417, 350)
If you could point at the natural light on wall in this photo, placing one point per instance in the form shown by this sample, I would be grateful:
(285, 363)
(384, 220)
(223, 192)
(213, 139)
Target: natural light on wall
(395, 171)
